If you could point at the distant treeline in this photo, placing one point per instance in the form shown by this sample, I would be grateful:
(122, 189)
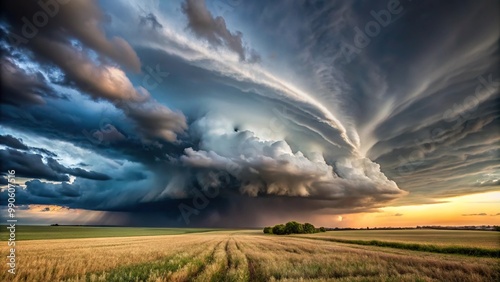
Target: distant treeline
(469, 227)
(293, 227)
(368, 228)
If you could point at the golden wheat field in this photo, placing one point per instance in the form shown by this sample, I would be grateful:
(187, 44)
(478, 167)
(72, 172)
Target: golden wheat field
(235, 256)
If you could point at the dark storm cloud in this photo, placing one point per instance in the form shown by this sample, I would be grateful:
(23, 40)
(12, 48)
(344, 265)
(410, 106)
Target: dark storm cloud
(204, 25)
(81, 20)
(29, 165)
(78, 172)
(16, 143)
(44, 152)
(223, 210)
(84, 193)
(454, 155)
(19, 87)
(38, 192)
(10, 141)
(3, 181)
(76, 18)
(32, 166)
(89, 129)
(48, 190)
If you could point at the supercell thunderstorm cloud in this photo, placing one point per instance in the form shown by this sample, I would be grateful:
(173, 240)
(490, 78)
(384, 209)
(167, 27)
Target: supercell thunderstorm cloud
(241, 113)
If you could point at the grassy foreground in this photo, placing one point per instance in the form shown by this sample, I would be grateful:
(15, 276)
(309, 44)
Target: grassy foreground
(235, 256)
(25, 232)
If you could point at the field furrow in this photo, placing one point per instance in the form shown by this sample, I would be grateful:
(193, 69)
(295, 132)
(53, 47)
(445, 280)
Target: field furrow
(178, 267)
(237, 263)
(214, 266)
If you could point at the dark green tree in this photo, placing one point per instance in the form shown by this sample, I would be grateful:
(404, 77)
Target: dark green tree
(279, 229)
(268, 230)
(309, 228)
(294, 227)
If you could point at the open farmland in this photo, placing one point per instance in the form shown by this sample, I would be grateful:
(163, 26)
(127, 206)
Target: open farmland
(27, 232)
(460, 238)
(235, 256)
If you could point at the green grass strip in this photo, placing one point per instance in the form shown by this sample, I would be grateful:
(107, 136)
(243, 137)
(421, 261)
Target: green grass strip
(26, 232)
(468, 251)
